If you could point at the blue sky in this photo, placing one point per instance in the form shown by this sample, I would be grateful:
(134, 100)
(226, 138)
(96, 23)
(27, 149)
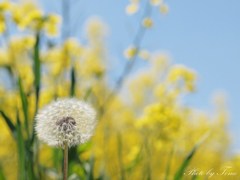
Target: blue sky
(201, 34)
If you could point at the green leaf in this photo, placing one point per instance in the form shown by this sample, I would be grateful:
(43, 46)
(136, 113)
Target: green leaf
(2, 176)
(37, 68)
(57, 157)
(21, 151)
(194, 177)
(179, 174)
(37, 78)
(87, 94)
(90, 169)
(24, 105)
(102, 176)
(84, 147)
(120, 156)
(9, 123)
(134, 163)
(73, 82)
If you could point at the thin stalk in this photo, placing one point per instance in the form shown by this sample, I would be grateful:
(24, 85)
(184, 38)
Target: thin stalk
(37, 79)
(169, 164)
(65, 162)
(66, 19)
(120, 156)
(73, 82)
(131, 62)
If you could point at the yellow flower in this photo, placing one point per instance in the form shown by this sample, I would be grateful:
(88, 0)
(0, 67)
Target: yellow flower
(164, 9)
(60, 58)
(21, 44)
(156, 2)
(26, 74)
(5, 5)
(72, 47)
(56, 61)
(4, 59)
(26, 15)
(132, 8)
(147, 22)
(28, 42)
(160, 62)
(160, 90)
(2, 23)
(51, 24)
(144, 54)
(133, 153)
(182, 77)
(130, 52)
(95, 29)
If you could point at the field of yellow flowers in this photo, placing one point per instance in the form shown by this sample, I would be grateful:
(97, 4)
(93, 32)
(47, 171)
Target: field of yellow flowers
(147, 133)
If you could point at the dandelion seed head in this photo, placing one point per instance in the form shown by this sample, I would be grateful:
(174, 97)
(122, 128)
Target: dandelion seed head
(65, 121)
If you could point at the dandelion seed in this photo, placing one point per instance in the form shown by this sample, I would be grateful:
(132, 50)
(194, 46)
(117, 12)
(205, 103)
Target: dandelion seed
(65, 121)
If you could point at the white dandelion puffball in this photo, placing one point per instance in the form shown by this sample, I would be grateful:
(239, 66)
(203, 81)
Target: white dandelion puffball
(65, 121)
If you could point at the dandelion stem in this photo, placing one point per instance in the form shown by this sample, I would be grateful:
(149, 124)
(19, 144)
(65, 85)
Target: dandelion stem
(65, 163)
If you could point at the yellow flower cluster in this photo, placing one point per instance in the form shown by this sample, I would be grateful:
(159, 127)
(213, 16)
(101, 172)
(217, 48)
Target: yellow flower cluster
(147, 22)
(182, 77)
(152, 128)
(4, 7)
(61, 58)
(27, 15)
(144, 132)
(161, 120)
(16, 57)
(134, 6)
(130, 52)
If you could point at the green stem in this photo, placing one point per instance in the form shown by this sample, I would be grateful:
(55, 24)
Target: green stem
(65, 162)
(169, 164)
(37, 79)
(37, 69)
(73, 82)
(120, 156)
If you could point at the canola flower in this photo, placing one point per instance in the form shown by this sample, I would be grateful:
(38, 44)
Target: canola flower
(29, 16)
(164, 9)
(132, 8)
(130, 52)
(156, 2)
(134, 138)
(144, 54)
(4, 7)
(147, 22)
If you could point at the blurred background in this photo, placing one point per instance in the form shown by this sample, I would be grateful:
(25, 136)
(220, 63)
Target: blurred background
(162, 75)
(203, 35)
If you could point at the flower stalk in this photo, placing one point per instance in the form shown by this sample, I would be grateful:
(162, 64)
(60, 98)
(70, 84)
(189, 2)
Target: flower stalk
(65, 161)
